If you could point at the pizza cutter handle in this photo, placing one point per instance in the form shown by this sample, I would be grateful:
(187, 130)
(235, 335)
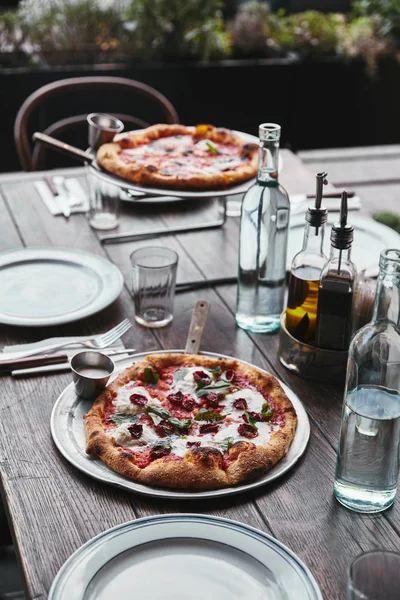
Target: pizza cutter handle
(55, 144)
(197, 324)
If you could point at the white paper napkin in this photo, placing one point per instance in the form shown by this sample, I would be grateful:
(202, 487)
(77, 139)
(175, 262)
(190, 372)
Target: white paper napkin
(75, 189)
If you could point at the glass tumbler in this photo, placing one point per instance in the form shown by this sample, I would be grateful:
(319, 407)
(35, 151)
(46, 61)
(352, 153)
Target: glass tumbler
(104, 202)
(154, 277)
(374, 575)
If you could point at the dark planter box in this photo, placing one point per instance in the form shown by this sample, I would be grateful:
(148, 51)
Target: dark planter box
(319, 103)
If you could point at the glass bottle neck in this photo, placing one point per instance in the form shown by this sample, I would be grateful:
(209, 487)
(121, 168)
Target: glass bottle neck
(340, 255)
(313, 239)
(387, 298)
(268, 155)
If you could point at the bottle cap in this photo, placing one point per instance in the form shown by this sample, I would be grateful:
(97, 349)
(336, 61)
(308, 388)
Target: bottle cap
(342, 233)
(269, 132)
(317, 215)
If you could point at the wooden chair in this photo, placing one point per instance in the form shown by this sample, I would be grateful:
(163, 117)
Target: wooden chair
(32, 159)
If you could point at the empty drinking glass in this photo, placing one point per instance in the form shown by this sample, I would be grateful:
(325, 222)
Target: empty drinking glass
(374, 575)
(104, 201)
(154, 276)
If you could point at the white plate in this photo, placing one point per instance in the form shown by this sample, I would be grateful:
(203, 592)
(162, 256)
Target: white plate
(125, 185)
(50, 286)
(68, 434)
(177, 557)
(370, 238)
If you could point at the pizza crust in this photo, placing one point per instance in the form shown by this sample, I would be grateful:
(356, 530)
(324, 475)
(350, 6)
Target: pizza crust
(109, 157)
(201, 467)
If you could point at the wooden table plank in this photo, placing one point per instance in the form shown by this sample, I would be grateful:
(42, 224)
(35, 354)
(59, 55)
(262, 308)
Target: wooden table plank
(49, 521)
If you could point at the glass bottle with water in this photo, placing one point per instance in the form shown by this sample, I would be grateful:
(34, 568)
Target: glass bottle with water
(368, 456)
(264, 230)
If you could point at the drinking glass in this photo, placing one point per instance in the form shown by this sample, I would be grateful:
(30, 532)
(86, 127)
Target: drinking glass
(374, 575)
(154, 276)
(104, 202)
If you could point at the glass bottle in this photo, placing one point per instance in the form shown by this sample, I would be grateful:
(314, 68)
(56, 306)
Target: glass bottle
(305, 272)
(367, 466)
(264, 227)
(336, 288)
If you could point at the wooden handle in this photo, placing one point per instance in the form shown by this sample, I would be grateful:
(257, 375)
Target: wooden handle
(30, 362)
(55, 144)
(197, 324)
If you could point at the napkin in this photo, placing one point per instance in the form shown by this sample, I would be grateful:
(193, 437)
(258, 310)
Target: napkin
(75, 189)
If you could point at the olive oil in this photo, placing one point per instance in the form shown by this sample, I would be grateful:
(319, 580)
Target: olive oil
(305, 272)
(301, 312)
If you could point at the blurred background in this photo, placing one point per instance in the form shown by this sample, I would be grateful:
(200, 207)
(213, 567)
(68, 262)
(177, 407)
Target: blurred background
(326, 70)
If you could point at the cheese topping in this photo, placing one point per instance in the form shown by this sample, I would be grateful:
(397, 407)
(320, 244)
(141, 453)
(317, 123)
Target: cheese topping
(123, 404)
(227, 429)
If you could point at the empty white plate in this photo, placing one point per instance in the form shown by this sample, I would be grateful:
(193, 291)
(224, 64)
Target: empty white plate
(176, 557)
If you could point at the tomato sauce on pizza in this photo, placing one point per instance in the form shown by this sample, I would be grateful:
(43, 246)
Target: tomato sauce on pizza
(212, 420)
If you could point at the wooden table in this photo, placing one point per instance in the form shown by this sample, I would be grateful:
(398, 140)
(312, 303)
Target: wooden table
(54, 509)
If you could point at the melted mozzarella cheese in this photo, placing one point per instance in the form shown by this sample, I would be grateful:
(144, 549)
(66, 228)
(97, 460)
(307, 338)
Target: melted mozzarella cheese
(124, 405)
(254, 400)
(187, 385)
(123, 437)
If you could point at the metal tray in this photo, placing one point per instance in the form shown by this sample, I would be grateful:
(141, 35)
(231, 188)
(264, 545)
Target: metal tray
(68, 433)
(138, 192)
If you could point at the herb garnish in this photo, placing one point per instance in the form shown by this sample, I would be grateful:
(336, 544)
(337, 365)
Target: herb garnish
(225, 444)
(211, 147)
(251, 420)
(218, 387)
(179, 424)
(208, 415)
(151, 376)
(120, 418)
(181, 373)
(267, 411)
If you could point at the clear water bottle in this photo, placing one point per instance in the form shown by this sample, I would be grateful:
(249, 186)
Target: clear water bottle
(264, 230)
(368, 456)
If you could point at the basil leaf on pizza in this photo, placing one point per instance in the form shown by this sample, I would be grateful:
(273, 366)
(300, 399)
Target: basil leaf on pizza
(150, 376)
(219, 387)
(177, 436)
(119, 418)
(208, 415)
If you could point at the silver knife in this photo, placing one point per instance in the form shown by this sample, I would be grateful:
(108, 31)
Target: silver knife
(59, 194)
(61, 367)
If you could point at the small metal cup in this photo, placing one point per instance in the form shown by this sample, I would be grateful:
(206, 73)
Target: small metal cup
(84, 365)
(102, 129)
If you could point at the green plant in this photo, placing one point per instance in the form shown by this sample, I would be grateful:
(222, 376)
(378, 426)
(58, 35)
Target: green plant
(255, 30)
(388, 218)
(387, 14)
(360, 38)
(178, 28)
(310, 33)
(78, 30)
(12, 35)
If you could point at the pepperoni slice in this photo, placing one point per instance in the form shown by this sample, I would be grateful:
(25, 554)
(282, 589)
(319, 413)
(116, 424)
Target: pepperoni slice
(230, 375)
(136, 430)
(159, 452)
(240, 404)
(188, 404)
(164, 428)
(209, 428)
(193, 444)
(201, 377)
(138, 399)
(176, 398)
(212, 400)
(247, 431)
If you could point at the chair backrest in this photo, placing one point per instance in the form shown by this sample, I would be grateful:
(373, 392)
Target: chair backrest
(33, 159)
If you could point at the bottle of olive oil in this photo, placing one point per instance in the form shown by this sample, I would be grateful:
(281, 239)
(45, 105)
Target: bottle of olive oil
(305, 272)
(336, 288)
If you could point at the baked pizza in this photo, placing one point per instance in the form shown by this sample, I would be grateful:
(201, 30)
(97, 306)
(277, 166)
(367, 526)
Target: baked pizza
(180, 157)
(190, 421)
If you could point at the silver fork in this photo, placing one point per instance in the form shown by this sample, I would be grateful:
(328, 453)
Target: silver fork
(97, 342)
